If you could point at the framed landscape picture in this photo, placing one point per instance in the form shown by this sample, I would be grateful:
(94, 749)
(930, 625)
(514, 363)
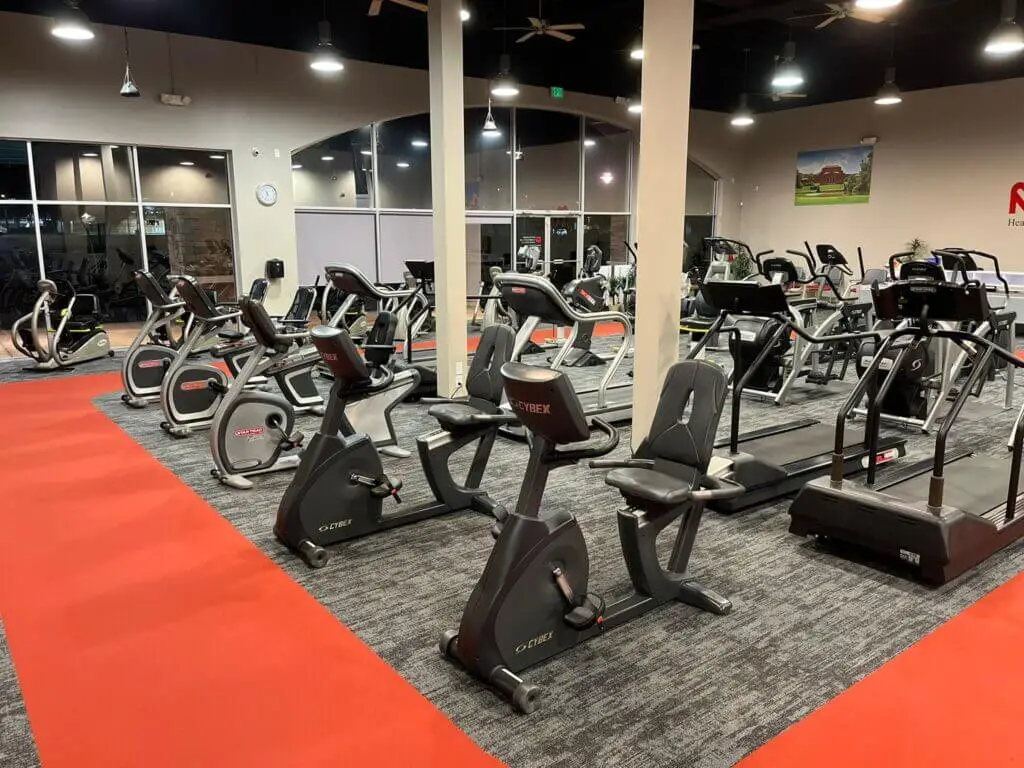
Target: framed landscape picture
(834, 176)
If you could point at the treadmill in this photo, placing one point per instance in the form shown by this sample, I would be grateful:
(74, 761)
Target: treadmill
(538, 301)
(945, 515)
(777, 461)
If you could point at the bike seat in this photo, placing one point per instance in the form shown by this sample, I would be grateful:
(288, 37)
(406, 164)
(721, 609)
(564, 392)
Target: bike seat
(647, 485)
(455, 416)
(232, 335)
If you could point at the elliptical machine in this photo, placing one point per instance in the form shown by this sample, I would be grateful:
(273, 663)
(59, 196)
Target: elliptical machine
(532, 601)
(340, 488)
(78, 338)
(251, 430)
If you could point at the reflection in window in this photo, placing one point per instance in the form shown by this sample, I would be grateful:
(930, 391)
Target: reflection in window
(609, 233)
(606, 150)
(101, 172)
(19, 262)
(403, 159)
(701, 207)
(183, 176)
(549, 161)
(488, 244)
(337, 173)
(488, 161)
(14, 180)
(192, 241)
(95, 248)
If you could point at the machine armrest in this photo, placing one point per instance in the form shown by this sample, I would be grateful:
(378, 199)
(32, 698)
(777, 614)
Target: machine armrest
(608, 445)
(716, 489)
(622, 464)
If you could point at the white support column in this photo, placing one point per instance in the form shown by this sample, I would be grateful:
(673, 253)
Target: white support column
(661, 198)
(448, 173)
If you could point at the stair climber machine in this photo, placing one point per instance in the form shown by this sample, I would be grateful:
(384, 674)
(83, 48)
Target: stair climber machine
(253, 432)
(340, 488)
(588, 293)
(533, 600)
(538, 300)
(945, 515)
(336, 309)
(78, 338)
(148, 359)
(776, 461)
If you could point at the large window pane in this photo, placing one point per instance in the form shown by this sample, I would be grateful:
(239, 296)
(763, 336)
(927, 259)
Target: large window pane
(193, 241)
(183, 176)
(408, 237)
(14, 180)
(488, 161)
(609, 233)
(701, 191)
(548, 164)
(606, 150)
(318, 234)
(403, 156)
(19, 262)
(96, 249)
(488, 244)
(83, 172)
(563, 249)
(337, 173)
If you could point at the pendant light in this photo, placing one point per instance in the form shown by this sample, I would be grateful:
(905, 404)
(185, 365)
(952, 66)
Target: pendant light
(70, 23)
(325, 57)
(889, 94)
(1007, 39)
(636, 51)
(788, 75)
(128, 88)
(743, 117)
(491, 130)
(876, 5)
(504, 86)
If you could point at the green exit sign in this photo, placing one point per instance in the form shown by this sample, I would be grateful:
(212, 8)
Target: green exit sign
(557, 93)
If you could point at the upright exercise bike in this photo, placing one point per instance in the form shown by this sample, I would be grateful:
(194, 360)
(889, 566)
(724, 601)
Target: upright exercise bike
(152, 351)
(340, 488)
(532, 601)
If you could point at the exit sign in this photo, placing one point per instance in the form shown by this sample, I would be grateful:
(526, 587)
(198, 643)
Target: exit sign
(557, 93)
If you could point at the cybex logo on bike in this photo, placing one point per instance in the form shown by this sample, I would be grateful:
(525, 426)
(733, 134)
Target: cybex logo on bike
(541, 408)
(335, 526)
(539, 640)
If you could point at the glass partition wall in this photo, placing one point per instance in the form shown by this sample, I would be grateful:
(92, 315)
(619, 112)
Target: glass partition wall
(88, 215)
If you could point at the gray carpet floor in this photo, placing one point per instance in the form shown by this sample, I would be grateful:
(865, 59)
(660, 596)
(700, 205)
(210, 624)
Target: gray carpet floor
(675, 688)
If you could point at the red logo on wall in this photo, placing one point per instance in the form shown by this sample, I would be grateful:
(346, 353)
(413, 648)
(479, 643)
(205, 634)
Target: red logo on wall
(1017, 198)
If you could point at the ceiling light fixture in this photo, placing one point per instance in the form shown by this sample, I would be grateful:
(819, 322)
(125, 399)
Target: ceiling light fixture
(607, 177)
(788, 74)
(636, 52)
(588, 143)
(296, 166)
(634, 108)
(743, 117)
(128, 87)
(70, 23)
(420, 143)
(876, 5)
(1007, 38)
(90, 154)
(491, 130)
(465, 15)
(366, 152)
(325, 57)
(186, 163)
(216, 157)
(401, 164)
(504, 86)
(327, 158)
(889, 94)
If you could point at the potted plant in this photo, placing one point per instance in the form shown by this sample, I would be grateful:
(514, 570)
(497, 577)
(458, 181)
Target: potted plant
(919, 248)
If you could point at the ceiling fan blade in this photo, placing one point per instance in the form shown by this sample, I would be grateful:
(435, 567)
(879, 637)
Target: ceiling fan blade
(513, 29)
(526, 37)
(375, 7)
(836, 7)
(868, 16)
(412, 4)
(567, 26)
(559, 35)
(828, 21)
(534, 22)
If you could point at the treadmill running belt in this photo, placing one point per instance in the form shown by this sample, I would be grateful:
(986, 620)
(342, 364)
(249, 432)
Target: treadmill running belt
(976, 484)
(801, 444)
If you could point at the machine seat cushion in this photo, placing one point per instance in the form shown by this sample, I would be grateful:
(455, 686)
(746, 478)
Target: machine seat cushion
(455, 416)
(648, 485)
(232, 335)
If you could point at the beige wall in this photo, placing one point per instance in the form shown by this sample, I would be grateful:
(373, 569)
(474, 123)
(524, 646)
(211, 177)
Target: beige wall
(943, 168)
(258, 103)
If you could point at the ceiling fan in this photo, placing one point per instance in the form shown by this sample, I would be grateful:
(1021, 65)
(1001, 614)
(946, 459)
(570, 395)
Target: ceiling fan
(376, 5)
(541, 26)
(838, 11)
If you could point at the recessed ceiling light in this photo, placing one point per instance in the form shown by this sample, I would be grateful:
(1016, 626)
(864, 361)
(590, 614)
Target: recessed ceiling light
(589, 143)
(607, 177)
(420, 143)
(90, 154)
(115, 146)
(216, 157)
(186, 163)
(296, 166)
(637, 54)
(401, 164)
(634, 108)
(366, 152)
(465, 15)
(327, 158)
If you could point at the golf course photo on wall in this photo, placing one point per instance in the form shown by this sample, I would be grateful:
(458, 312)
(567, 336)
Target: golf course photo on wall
(834, 176)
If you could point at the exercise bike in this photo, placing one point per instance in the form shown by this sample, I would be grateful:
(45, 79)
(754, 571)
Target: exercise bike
(152, 351)
(253, 430)
(532, 601)
(78, 338)
(340, 488)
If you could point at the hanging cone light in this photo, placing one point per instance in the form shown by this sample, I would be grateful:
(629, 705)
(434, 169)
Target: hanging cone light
(128, 88)
(491, 129)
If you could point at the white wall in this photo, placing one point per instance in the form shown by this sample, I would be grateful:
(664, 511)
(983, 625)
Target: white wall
(943, 168)
(261, 104)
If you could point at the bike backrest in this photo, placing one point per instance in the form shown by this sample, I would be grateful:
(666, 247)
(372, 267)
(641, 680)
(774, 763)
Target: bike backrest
(302, 304)
(686, 419)
(379, 344)
(151, 289)
(197, 301)
(545, 403)
(259, 323)
(495, 349)
(338, 351)
(258, 289)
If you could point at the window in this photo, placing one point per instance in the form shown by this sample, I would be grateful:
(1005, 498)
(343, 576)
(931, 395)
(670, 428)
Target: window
(403, 159)
(193, 241)
(19, 262)
(606, 153)
(317, 234)
(183, 176)
(701, 207)
(488, 161)
(548, 164)
(94, 172)
(609, 233)
(337, 173)
(404, 237)
(14, 180)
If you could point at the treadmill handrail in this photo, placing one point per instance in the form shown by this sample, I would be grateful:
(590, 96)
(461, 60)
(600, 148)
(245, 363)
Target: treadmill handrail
(369, 288)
